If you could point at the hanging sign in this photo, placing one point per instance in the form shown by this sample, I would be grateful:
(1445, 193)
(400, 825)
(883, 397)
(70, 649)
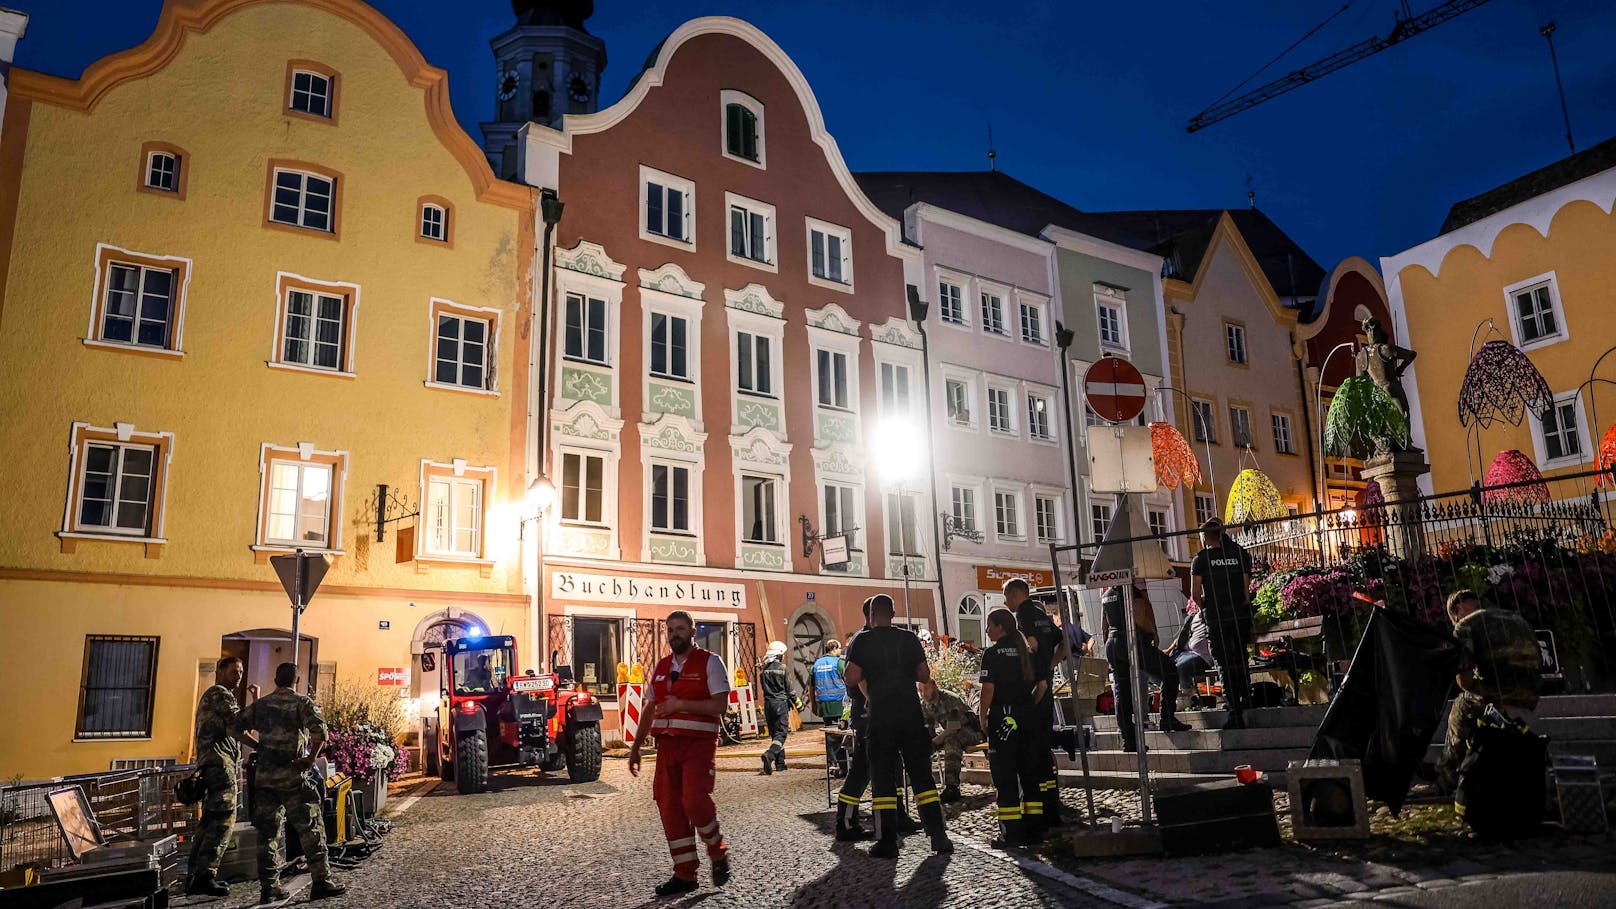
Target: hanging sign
(834, 551)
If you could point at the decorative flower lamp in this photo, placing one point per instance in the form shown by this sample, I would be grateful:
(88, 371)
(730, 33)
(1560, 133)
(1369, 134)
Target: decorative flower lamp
(1513, 467)
(1501, 383)
(1606, 457)
(1175, 460)
(1363, 421)
(1253, 497)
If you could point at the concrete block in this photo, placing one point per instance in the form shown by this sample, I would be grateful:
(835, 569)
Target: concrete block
(1300, 775)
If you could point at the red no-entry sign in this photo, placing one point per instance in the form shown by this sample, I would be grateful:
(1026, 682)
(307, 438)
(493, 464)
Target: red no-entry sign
(1114, 389)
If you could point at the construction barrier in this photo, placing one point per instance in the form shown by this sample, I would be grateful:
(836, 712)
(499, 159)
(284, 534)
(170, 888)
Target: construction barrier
(746, 705)
(630, 703)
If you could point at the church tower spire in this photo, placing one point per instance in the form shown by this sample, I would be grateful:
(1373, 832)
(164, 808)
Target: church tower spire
(546, 66)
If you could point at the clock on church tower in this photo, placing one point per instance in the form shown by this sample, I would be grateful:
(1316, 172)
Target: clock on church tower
(547, 65)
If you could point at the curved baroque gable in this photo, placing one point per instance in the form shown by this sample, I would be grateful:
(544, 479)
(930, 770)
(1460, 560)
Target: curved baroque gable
(590, 259)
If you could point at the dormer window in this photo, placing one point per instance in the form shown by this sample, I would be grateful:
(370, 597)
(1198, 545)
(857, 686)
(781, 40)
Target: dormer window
(311, 90)
(434, 221)
(743, 127)
(162, 169)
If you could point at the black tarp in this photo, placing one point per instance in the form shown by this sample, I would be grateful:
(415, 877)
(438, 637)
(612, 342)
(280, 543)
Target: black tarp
(1390, 705)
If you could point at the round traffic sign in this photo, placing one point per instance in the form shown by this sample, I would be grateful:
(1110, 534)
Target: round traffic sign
(1114, 389)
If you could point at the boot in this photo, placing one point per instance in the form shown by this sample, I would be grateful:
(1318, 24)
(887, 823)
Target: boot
(780, 761)
(886, 830)
(768, 764)
(1170, 723)
(272, 893)
(931, 815)
(721, 872)
(325, 888)
(1012, 835)
(203, 883)
(674, 886)
(905, 824)
(1236, 720)
(848, 829)
(951, 794)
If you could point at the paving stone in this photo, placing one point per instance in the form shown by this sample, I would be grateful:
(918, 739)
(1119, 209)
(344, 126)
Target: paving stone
(1396, 893)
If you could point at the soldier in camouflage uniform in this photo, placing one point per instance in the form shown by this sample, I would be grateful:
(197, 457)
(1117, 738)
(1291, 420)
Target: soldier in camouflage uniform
(282, 790)
(954, 728)
(1500, 664)
(217, 754)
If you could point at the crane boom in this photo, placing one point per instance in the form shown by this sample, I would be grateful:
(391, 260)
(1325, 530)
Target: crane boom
(1406, 28)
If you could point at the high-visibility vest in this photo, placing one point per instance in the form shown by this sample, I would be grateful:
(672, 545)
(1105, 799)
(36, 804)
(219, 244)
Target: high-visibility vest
(828, 683)
(691, 686)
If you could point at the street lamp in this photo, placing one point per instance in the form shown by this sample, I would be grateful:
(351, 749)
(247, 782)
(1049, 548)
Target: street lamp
(539, 499)
(897, 449)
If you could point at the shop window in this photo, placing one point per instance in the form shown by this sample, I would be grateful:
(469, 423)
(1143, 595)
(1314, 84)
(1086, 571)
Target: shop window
(596, 650)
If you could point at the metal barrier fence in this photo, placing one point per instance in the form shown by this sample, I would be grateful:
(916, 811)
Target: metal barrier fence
(128, 805)
(1545, 549)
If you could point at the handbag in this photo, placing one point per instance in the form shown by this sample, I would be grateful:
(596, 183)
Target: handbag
(192, 789)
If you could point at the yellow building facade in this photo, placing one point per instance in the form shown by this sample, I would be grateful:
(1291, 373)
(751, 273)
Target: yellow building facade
(1529, 263)
(253, 270)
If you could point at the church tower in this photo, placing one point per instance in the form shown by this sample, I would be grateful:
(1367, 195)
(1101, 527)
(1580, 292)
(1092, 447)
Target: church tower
(546, 66)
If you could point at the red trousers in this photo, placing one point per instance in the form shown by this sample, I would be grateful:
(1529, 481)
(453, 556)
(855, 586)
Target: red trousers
(683, 789)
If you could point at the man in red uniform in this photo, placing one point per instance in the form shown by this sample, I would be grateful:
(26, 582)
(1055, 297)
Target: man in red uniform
(688, 698)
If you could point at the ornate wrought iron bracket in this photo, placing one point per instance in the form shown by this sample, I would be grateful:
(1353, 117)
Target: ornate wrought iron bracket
(810, 539)
(952, 530)
(386, 505)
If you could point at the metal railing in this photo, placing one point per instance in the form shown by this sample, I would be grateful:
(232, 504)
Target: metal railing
(128, 805)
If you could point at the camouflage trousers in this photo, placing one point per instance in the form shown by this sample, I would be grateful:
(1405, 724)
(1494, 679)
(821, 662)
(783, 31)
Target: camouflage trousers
(212, 838)
(953, 748)
(1467, 709)
(299, 805)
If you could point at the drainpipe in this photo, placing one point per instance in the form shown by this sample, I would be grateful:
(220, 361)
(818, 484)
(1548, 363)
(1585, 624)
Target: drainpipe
(1312, 466)
(538, 407)
(917, 314)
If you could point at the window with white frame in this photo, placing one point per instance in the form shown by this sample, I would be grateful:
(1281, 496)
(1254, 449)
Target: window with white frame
(116, 486)
(842, 512)
(434, 222)
(1111, 318)
(583, 485)
(1038, 408)
(1240, 426)
(669, 205)
(454, 516)
(303, 199)
(894, 389)
(460, 356)
(299, 507)
(670, 498)
(958, 395)
(1560, 431)
(670, 346)
(1282, 433)
(743, 127)
(754, 369)
(585, 329)
(1234, 340)
(1000, 414)
(316, 329)
(903, 531)
(1099, 520)
(830, 252)
(1032, 322)
(1156, 520)
(163, 171)
(1201, 415)
(1535, 313)
(832, 372)
(1006, 514)
(1206, 508)
(950, 302)
(993, 312)
(970, 620)
(139, 307)
(758, 515)
(751, 230)
(1090, 418)
(311, 93)
(962, 505)
(1046, 518)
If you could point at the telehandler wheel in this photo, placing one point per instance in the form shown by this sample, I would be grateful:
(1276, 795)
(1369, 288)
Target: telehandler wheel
(552, 764)
(471, 763)
(583, 753)
(429, 755)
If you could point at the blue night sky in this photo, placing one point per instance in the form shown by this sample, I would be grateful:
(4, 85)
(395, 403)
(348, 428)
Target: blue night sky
(1089, 100)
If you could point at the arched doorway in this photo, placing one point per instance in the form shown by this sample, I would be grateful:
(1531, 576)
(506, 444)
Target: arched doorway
(261, 650)
(810, 629)
(426, 650)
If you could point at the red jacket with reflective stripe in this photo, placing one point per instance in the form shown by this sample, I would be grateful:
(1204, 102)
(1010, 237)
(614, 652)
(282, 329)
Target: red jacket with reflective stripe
(691, 686)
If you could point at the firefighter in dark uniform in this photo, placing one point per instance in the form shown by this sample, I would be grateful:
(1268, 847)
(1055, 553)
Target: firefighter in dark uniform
(887, 662)
(1221, 583)
(1048, 649)
(778, 699)
(218, 751)
(1145, 655)
(282, 790)
(1006, 685)
(857, 778)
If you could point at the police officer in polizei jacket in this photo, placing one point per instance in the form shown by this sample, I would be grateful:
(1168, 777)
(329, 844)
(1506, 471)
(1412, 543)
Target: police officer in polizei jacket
(291, 733)
(218, 751)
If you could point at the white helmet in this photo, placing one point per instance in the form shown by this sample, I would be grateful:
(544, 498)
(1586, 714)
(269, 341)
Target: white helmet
(776, 648)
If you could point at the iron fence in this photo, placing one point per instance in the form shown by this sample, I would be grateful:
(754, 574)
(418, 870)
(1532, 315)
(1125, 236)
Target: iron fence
(128, 805)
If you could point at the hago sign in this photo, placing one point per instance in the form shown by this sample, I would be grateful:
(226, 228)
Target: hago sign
(1115, 390)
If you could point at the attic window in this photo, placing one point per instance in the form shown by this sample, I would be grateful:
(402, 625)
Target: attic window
(743, 127)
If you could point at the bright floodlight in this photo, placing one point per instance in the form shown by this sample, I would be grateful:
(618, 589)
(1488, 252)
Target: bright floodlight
(897, 446)
(540, 495)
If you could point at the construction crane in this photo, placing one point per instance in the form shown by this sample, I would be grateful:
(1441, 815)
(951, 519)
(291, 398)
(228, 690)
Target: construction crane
(1408, 25)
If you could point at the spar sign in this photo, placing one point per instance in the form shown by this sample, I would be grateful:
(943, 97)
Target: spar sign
(1114, 389)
